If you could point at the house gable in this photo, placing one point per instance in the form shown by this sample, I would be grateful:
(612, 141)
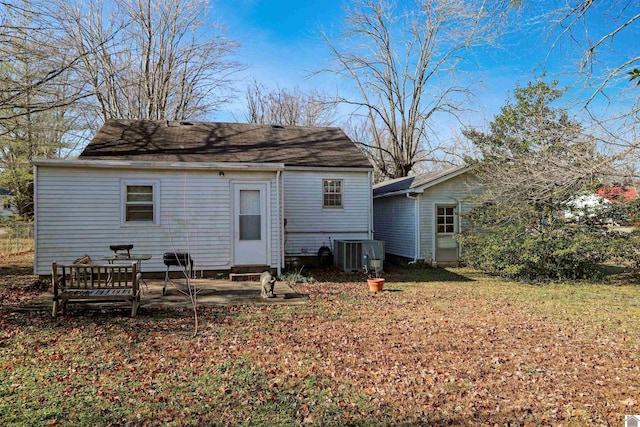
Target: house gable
(418, 183)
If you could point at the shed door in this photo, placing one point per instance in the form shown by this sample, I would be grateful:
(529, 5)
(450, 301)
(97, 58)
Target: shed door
(446, 228)
(250, 224)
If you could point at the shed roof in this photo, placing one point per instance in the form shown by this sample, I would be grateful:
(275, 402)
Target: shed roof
(418, 182)
(186, 141)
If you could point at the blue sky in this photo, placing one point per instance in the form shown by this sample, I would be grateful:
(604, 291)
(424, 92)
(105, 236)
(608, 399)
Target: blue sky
(281, 46)
(279, 41)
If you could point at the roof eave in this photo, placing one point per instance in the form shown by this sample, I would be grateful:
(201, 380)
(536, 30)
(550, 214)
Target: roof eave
(399, 193)
(330, 168)
(136, 164)
(454, 173)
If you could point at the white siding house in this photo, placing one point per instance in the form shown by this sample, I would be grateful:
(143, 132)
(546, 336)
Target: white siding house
(229, 194)
(310, 224)
(419, 216)
(6, 210)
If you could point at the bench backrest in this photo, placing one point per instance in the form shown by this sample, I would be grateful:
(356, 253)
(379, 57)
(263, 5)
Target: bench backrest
(88, 276)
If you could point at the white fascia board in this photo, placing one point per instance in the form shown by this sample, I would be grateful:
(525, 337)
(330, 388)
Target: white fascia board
(327, 169)
(133, 164)
(409, 191)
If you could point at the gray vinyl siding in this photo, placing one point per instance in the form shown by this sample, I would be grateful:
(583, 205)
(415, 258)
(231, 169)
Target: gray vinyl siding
(78, 210)
(309, 225)
(394, 223)
(456, 191)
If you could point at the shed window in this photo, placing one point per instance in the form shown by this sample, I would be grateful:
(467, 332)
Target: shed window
(140, 203)
(332, 193)
(445, 219)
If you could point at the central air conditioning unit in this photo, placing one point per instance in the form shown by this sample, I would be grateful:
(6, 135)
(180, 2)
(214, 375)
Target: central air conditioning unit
(356, 255)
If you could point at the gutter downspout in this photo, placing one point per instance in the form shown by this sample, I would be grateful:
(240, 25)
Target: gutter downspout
(278, 216)
(459, 227)
(370, 225)
(35, 220)
(416, 249)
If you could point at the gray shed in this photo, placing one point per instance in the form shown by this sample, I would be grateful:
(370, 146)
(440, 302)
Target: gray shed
(419, 216)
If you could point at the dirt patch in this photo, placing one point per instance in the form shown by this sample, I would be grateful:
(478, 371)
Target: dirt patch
(18, 284)
(19, 262)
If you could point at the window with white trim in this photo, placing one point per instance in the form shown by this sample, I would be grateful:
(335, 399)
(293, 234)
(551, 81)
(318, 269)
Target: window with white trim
(331, 193)
(140, 203)
(445, 219)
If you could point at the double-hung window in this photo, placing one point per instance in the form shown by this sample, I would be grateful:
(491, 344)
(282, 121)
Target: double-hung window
(140, 203)
(331, 193)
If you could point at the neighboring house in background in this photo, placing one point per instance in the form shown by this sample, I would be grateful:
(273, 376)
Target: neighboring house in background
(5, 204)
(618, 194)
(593, 205)
(585, 206)
(419, 216)
(231, 194)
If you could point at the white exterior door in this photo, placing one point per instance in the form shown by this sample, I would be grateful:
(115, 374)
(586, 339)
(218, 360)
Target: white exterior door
(250, 224)
(446, 229)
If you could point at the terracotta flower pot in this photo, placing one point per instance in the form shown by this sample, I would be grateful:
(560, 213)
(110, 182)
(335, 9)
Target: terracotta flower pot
(375, 284)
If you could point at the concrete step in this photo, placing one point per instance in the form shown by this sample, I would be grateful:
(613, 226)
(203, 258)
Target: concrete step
(252, 277)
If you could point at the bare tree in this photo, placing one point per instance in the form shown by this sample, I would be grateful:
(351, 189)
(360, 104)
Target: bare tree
(600, 30)
(37, 98)
(288, 107)
(599, 41)
(149, 60)
(405, 62)
(28, 35)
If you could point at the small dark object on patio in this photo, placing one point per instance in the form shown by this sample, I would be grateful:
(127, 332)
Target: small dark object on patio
(178, 259)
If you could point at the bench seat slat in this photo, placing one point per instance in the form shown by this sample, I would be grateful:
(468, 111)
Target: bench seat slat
(96, 282)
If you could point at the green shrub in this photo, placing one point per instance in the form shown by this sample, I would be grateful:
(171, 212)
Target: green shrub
(534, 246)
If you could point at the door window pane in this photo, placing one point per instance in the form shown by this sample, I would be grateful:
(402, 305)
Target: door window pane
(250, 227)
(445, 219)
(250, 220)
(249, 202)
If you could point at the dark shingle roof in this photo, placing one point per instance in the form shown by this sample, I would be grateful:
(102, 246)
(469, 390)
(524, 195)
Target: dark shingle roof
(414, 182)
(393, 185)
(147, 140)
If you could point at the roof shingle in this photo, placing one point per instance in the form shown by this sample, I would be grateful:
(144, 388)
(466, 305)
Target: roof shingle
(417, 181)
(149, 140)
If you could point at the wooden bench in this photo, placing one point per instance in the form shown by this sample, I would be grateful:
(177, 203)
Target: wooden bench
(95, 283)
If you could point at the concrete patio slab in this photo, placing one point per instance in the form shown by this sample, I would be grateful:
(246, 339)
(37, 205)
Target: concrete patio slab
(210, 293)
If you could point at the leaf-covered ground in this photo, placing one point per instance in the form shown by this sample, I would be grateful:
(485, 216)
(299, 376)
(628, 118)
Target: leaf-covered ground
(435, 348)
